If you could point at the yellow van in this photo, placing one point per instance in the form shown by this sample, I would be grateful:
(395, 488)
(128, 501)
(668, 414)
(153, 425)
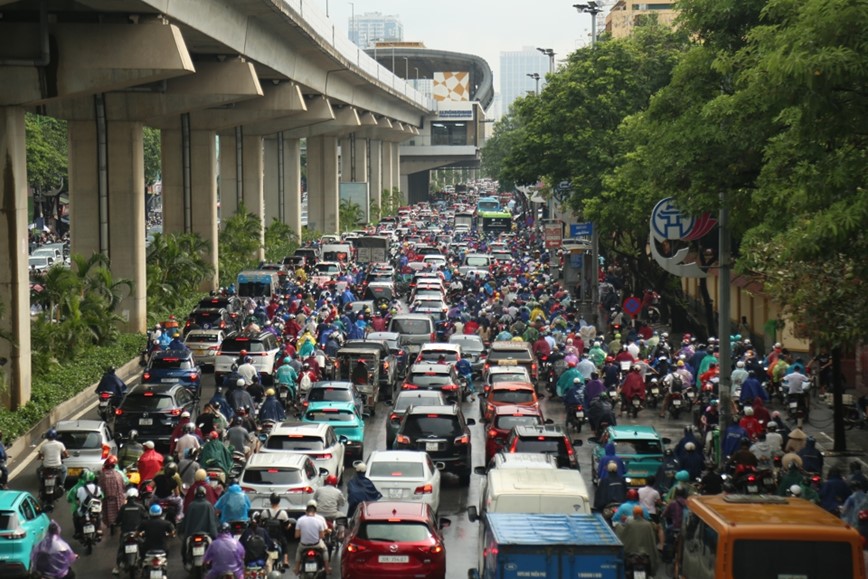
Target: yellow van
(765, 537)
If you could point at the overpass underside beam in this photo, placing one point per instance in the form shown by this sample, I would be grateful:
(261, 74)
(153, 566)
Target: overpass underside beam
(14, 286)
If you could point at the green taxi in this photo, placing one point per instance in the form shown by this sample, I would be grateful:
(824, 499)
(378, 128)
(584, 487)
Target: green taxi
(639, 446)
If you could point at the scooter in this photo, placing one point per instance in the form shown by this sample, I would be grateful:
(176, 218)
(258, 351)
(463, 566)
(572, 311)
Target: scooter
(106, 406)
(154, 565)
(312, 565)
(51, 489)
(576, 417)
(637, 565)
(676, 405)
(132, 546)
(91, 534)
(197, 544)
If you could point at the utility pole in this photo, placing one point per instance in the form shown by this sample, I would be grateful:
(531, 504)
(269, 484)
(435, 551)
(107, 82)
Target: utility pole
(593, 8)
(723, 323)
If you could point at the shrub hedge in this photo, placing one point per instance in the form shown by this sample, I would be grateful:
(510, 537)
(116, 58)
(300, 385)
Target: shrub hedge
(63, 381)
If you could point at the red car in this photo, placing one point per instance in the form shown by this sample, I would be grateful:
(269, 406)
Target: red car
(394, 539)
(503, 420)
(507, 393)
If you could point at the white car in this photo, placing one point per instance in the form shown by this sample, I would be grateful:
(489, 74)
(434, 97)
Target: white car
(431, 353)
(405, 475)
(293, 477)
(318, 441)
(204, 345)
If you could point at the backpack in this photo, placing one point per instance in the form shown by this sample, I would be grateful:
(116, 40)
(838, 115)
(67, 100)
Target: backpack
(255, 548)
(677, 384)
(273, 524)
(305, 382)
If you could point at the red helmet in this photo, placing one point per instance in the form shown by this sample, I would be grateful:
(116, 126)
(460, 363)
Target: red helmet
(632, 495)
(213, 435)
(331, 480)
(243, 352)
(111, 461)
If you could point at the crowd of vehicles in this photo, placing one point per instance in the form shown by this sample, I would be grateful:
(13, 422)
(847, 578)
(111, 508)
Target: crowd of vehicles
(420, 323)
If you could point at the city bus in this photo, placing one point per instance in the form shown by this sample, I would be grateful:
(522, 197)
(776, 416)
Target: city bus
(765, 537)
(487, 204)
(495, 222)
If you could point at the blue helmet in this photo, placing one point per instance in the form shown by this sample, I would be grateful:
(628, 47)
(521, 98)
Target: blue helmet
(156, 510)
(51, 434)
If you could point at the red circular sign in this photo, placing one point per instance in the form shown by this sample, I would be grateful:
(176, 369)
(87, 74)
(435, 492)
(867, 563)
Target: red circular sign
(632, 305)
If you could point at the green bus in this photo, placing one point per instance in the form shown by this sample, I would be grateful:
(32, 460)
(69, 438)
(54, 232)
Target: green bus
(495, 222)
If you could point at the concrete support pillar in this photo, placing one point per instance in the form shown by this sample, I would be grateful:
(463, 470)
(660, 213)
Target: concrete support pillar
(375, 165)
(115, 226)
(292, 188)
(14, 280)
(202, 178)
(322, 184)
(387, 166)
(346, 155)
(396, 169)
(228, 177)
(252, 161)
(360, 159)
(271, 189)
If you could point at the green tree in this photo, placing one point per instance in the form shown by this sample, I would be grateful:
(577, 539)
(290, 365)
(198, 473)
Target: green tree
(47, 145)
(350, 214)
(280, 241)
(239, 242)
(153, 159)
(177, 265)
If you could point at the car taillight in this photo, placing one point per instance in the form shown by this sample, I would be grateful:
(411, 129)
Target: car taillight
(465, 439)
(326, 456)
(214, 348)
(105, 451)
(450, 387)
(301, 490)
(146, 376)
(486, 366)
(435, 548)
(118, 411)
(425, 489)
(354, 548)
(492, 433)
(393, 417)
(433, 336)
(175, 412)
(194, 376)
(401, 439)
(409, 387)
(248, 490)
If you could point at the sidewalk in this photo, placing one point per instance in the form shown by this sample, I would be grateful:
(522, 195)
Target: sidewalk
(821, 427)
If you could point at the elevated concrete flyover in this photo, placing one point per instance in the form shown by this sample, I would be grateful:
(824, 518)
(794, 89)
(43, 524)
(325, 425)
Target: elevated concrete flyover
(256, 74)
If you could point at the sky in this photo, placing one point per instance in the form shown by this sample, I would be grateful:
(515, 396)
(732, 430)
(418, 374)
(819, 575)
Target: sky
(482, 27)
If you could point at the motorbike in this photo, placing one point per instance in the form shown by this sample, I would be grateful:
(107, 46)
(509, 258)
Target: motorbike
(690, 397)
(576, 417)
(747, 482)
(334, 539)
(312, 565)
(254, 570)
(91, 534)
(170, 510)
(634, 406)
(676, 405)
(652, 395)
(51, 489)
(797, 408)
(237, 528)
(130, 561)
(637, 565)
(106, 406)
(154, 565)
(767, 480)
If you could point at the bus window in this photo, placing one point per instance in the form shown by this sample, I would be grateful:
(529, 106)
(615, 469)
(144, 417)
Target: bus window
(698, 550)
(761, 559)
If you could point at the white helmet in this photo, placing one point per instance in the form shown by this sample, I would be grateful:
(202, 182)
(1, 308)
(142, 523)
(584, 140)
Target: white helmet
(740, 364)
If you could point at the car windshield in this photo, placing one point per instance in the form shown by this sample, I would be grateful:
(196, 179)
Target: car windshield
(476, 261)
(329, 395)
(238, 344)
(330, 415)
(272, 476)
(294, 442)
(508, 422)
(542, 444)
(206, 318)
(518, 355)
(171, 364)
(327, 268)
(394, 532)
(429, 379)
(395, 469)
(510, 396)
(202, 338)
(408, 326)
(639, 447)
(470, 346)
(8, 521)
(420, 425)
(81, 440)
(504, 377)
(144, 403)
(434, 355)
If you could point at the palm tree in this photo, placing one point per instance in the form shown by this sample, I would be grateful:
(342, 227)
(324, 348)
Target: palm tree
(349, 215)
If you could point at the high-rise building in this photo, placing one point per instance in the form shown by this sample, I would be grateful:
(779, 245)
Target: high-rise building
(625, 14)
(515, 66)
(370, 27)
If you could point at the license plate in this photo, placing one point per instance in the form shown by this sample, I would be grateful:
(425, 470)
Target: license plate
(146, 421)
(752, 488)
(394, 559)
(690, 394)
(131, 548)
(310, 567)
(767, 482)
(636, 402)
(103, 403)
(200, 352)
(507, 363)
(199, 550)
(638, 574)
(676, 402)
(73, 472)
(431, 446)
(637, 481)
(156, 574)
(655, 391)
(580, 414)
(283, 394)
(170, 380)
(395, 493)
(89, 529)
(794, 405)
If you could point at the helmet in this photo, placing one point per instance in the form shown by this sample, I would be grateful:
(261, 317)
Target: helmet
(287, 360)
(331, 480)
(87, 475)
(682, 476)
(132, 493)
(190, 428)
(796, 490)
(740, 364)
(243, 353)
(201, 492)
(269, 392)
(111, 461)
(225, 528)
(577, 380)
(635, 367)
(156, 510)
(311, 504)
(213, 435)
(632, 495)
(51, 434)
(748, 410)
(240, 382)
(133, 435)
(170, 469)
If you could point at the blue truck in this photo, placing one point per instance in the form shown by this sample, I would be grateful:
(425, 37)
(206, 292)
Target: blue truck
(552, 546)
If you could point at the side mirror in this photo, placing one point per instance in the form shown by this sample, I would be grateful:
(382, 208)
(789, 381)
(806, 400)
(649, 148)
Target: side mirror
(471, 422)
(343, 439)
(444, 523)
(548, 421)
(439, 465)
(472, 514)
(323, 472)
(666, 441)
(479, 470)
(578, 442)
(541, 396)
(593, 440)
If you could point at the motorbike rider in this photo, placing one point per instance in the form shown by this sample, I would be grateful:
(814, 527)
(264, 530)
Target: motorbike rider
(177, 344)
(600, 411)
(257, 543)
(360, 489)
(674, 385)
(150, 463)
(329, 498)
(241, 439)
(812, 459)
(575, 396)
(129, 518)
(52, 557)
(464, 368)
(81, 496)
(633, 387)
(131, 450)
(52, 452)
(732, 437)
(287, 376)
(565, 381)
(200, 518)
(277, 522)
(233, 505)
(272, 409)
(214, 454)
(167, 488)
(112, 483)
(111, 383)
(310, 530)
(743, 459)
(200, 481)
(610, 490)
(189, 441)
(796, 383)
(256, 390)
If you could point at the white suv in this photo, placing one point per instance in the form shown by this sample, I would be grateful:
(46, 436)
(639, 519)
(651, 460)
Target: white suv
(262, 349)
(318, 441)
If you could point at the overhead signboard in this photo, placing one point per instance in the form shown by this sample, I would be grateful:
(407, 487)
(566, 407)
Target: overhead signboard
(553, 234)
(585, 229)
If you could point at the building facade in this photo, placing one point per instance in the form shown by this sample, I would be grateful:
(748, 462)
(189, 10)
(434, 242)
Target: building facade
(625, 14)
(370, 27)
(514, 68)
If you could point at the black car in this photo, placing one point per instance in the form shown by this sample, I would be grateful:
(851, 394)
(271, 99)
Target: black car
(232, 304)
(544, 439)
(154, 410)
(443, 433)
(210, 319)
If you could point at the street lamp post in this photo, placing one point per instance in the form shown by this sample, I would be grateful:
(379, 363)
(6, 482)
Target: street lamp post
(406, 68)
(535, 76)
(593, 8)
(551, 54)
